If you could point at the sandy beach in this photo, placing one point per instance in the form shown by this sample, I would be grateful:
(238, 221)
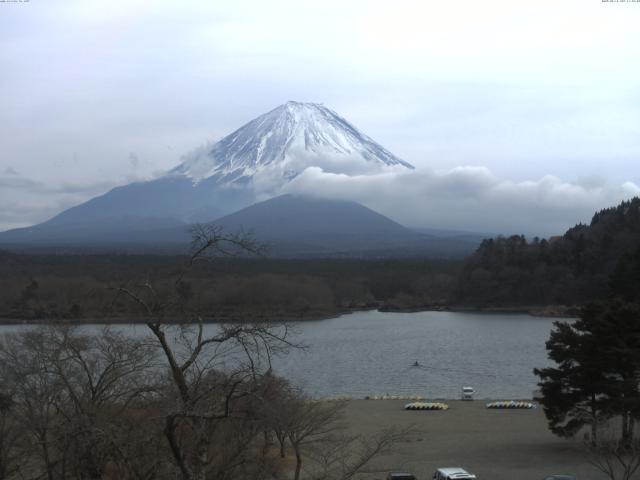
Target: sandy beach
(493, 444)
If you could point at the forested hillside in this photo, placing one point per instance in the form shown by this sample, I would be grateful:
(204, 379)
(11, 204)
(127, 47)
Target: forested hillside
(566, 270)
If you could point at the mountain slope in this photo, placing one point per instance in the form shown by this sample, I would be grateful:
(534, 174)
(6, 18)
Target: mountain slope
(304, 226)
(119, 233)
(290, 226)
(288, 215)
(173, 197)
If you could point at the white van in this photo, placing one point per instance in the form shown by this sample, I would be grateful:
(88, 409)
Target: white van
(453, 473)
(467, 393)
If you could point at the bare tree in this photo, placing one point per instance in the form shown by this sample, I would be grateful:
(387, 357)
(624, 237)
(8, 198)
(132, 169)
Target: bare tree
(70, 392)
(316, 432)
(345, 456)
(35, 392)
(279, 396)
(616, 458)
(103, 376)
(214, 372)
(11, 459)
(311, 423)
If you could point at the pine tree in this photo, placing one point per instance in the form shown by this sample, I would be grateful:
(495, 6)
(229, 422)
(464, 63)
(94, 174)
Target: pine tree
(598, 361)
(572, 393)
(615, 326)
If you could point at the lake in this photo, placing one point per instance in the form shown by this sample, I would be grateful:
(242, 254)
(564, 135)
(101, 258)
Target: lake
(373, 353)
(369, 353)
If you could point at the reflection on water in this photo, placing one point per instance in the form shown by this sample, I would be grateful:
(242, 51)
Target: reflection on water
(374, 353)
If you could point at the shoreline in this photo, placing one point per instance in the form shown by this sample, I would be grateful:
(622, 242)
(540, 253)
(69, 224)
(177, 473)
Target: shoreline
(547, 311)
(421, 398)
(551, 311)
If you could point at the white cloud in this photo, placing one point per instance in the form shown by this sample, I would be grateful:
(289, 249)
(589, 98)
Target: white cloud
(631, 189)
(468, 198)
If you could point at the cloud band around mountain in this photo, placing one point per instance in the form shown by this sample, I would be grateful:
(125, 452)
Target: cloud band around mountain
(468, 198)
(464, 198)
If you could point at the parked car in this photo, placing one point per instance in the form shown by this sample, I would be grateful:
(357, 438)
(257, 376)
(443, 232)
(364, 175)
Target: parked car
(401, 476)
(467, 393)
(453, 473)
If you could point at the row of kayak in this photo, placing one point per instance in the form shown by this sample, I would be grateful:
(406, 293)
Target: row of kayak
(511, 404)
(506, 404)
(426, 406)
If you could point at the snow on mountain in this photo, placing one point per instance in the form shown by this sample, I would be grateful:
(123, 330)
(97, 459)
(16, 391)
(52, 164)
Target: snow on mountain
(280, 144)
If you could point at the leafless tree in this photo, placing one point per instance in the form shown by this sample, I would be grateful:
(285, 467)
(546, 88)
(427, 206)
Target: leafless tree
(617, 459)
(312, 423)
(345, 456)
(213, 372)
(11, 459)
(104, 377)
(35, 392)
(279, 396)
(70, 392)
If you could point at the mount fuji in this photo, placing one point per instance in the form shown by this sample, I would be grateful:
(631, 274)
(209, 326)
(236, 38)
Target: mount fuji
(262, 155)
(256, 161)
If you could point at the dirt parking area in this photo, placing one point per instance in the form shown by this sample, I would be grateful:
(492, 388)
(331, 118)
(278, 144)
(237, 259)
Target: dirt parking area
(493, 444)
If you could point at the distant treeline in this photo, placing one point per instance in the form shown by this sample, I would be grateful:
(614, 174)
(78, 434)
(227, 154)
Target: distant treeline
(82, 287)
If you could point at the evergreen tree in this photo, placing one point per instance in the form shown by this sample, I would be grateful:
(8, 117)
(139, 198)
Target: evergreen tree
(615, 326)
(624, 282)
(598, 361)
(572, 393)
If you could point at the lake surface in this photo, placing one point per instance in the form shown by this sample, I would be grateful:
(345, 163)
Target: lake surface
(372, 353)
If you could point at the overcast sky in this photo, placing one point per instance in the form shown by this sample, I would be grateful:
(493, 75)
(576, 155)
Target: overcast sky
(534, 103)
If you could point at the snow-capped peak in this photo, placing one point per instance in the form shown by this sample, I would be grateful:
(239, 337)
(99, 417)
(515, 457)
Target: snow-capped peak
(287, 140)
